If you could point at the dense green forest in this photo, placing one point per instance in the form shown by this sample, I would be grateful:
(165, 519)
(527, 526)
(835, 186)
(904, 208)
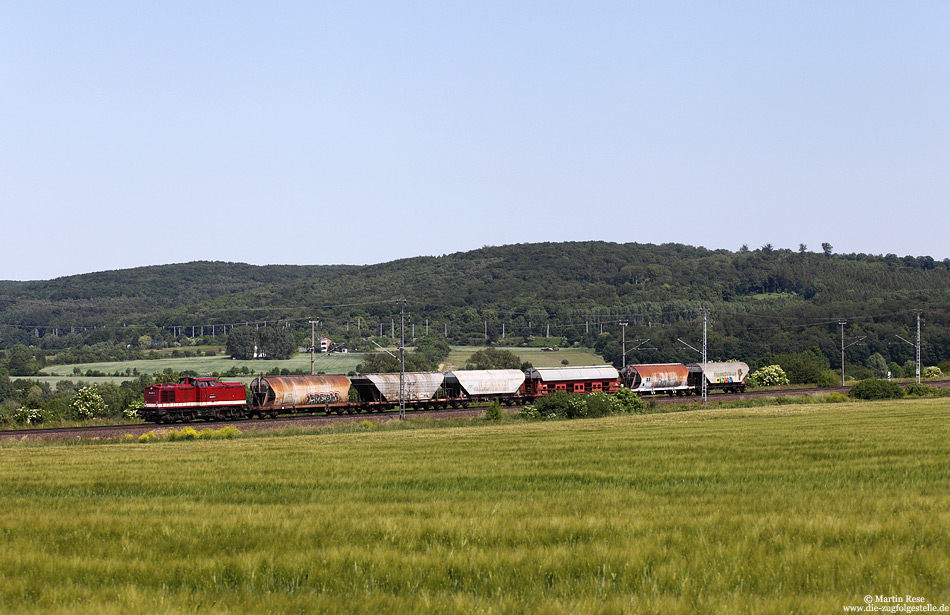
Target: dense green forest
(759, 303)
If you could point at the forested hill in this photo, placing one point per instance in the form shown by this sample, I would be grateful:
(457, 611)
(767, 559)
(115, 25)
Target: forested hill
(134, 295)
(759, 301)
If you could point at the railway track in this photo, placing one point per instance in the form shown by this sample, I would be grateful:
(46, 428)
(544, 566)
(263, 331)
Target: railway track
(664, 399)
(113, 431)
(306, 420)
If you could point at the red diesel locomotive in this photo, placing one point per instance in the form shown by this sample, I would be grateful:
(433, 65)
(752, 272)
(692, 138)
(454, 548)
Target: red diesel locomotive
(193, 399)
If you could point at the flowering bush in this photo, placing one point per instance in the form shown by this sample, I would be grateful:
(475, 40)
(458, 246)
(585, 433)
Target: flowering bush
(228, 433)
(29, 416)
(932, 372)
(768, 376)
(186, 433)
(87, 403)
(131, 411)
(530, 413)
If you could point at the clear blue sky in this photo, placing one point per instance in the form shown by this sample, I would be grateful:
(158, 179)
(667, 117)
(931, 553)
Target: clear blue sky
(360, 132)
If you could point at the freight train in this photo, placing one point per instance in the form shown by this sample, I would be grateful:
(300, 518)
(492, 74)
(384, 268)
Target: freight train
(195, 399)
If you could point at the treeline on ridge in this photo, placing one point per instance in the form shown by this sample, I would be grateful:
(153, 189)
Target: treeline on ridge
(763, 302)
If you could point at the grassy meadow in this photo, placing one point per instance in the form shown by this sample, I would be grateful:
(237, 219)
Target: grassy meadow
(792, 509)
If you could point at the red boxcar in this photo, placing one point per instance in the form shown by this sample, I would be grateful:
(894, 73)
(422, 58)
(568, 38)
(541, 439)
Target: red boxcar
(194, 398)
(585, 379)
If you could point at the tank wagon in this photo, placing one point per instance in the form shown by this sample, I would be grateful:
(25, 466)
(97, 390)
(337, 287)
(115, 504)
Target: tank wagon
(268, 396)
(273, 395)
(669, 378)
(726, 376)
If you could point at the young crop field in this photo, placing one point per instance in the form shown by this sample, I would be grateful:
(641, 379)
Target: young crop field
(792, 509)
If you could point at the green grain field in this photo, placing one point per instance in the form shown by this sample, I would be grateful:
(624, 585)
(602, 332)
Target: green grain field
(792, 509)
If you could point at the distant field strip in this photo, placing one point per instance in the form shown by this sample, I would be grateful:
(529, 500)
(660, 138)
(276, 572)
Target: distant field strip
(327, 363)
(799, 509)
(536, 356)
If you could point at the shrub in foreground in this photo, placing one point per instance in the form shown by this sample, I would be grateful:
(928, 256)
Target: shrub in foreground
(875, 388)
(922, 390)
(631, 402)
(828, 378)
(493, 413)
(601, 404)
(579, 406)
